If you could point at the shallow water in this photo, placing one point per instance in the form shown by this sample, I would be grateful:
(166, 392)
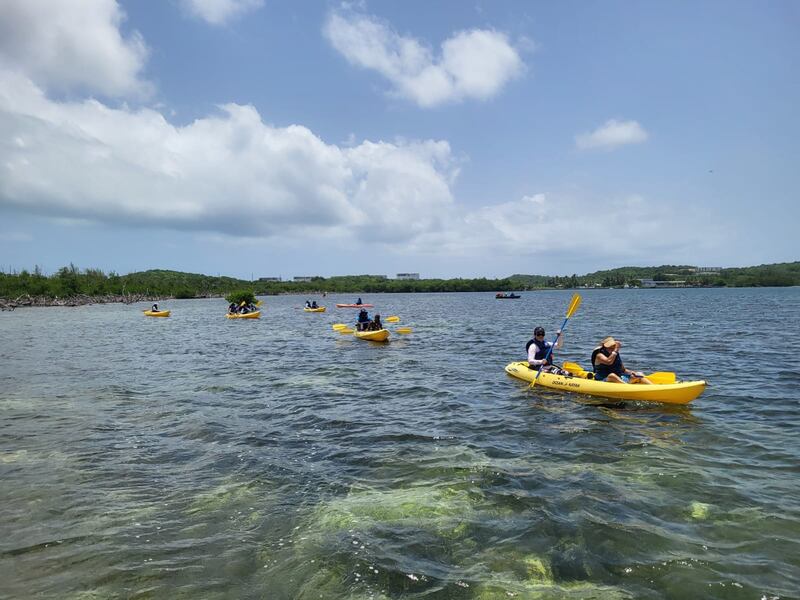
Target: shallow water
(197, 457)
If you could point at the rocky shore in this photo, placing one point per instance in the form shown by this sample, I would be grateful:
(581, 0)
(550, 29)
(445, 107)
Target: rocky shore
(77, 300)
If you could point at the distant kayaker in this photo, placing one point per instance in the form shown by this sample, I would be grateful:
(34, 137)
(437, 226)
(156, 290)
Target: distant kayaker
(155, 307)
(359, 302)
(537, 349)
(608, 366)
(308, 304)
(232, 308)
(314, 304)
(376, 323)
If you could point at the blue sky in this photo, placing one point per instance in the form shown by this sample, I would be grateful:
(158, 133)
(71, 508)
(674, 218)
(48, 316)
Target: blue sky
(261, 138)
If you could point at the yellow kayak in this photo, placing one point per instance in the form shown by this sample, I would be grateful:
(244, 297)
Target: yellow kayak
(319, 309)
(681, 392)
(250, 315)
(380, 335)
(156, 313)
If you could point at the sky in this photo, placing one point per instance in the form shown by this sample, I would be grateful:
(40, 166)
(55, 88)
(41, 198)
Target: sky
(265, 138)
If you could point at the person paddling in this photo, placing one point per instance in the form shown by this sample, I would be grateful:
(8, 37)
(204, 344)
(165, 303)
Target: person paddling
(363, 320)
(537, 349)
(608, 365)
(155, 307)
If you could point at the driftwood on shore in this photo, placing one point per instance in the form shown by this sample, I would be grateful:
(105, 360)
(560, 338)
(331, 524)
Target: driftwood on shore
(76, 300)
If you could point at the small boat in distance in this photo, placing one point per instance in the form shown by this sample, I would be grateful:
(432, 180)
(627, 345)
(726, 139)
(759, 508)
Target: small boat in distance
(510, 296)
(354, 306)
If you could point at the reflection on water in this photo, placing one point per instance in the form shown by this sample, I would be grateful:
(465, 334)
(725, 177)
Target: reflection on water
(200, 457)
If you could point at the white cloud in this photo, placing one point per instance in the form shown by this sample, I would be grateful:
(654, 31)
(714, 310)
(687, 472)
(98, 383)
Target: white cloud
(15, 236)
(72, 45)
(229, 173)
(537, 230)
(612, 135)
(219, 12)
(473, 64)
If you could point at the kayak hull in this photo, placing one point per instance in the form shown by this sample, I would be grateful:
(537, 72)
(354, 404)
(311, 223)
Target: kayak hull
(671, 393)
(320, 309)
(354, 305)
(381, 335)
(250, 315)
(156, 313)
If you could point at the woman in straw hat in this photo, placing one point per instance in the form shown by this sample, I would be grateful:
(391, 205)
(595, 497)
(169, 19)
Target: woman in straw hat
(608, 366)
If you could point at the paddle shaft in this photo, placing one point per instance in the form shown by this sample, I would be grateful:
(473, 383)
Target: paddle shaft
(550, 349)
(573, 306)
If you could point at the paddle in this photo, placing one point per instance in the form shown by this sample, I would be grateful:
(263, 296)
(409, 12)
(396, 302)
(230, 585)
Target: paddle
(573, 306)
(336, 326)
(344, 330)
(660, 377)
(393, 319)
(403, 330)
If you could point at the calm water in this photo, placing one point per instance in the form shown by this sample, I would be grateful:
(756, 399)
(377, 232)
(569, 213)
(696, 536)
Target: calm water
(197, 457)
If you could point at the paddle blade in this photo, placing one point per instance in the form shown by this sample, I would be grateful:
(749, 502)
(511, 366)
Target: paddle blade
(259, 302)
(403, 330)
(393, 319)
(575, 369)
(662, 377)
(573, 305)
(337, 326)
(344, 330)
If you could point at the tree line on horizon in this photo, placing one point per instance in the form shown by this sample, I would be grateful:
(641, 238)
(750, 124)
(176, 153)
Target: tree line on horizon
(71, 281)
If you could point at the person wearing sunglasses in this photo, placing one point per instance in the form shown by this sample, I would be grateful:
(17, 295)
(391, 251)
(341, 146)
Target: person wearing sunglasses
(537, 349)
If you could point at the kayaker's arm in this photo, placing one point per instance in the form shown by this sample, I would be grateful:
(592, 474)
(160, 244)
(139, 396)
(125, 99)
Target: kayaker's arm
(559, 339)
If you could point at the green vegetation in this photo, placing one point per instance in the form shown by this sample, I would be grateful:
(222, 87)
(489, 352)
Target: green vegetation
(71, 281)
(238, 296)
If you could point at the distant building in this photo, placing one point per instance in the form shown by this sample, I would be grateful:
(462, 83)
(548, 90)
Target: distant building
(303, 278)
(266, 279)
(706, 270)
(651, 283)
(408, 275)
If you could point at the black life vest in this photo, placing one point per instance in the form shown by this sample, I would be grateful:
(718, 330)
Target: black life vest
(541, 350)
(602, 371)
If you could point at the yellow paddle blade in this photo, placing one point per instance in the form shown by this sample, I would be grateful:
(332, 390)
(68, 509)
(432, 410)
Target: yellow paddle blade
(575, 369)
(662, 377)
(573, 305)
(259, 302)
(345, 330)
(403, 330)
(393, 319)
(336, 326)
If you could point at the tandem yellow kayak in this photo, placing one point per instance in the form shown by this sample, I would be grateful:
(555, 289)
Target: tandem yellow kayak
(380, 335)
(681, 392)
(156, 313)
(318, 309)
(251, 315)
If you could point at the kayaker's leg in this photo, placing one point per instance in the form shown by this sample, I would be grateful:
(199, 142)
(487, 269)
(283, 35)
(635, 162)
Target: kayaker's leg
(614, 378)
(644, 380)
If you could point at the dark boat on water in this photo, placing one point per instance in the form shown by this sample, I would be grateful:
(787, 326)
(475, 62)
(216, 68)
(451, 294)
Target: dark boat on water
(511, 296)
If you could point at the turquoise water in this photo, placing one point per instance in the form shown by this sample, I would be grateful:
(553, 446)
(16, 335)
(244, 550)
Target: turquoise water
(197, 457)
